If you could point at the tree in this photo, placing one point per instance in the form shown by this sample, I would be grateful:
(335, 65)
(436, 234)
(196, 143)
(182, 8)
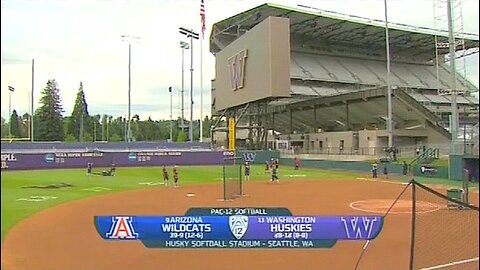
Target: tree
(117, 127)
(182, 137)
(96, 127)
(14, 125)
(206, 127)
(49, 122)
(25, 125)
(80, 121)
(105, 119)
(4, 128)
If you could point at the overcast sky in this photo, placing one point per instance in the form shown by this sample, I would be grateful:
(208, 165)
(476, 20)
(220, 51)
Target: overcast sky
(79, 40)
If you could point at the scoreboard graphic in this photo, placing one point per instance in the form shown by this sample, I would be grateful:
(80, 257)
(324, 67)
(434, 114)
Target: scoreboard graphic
(239, 228)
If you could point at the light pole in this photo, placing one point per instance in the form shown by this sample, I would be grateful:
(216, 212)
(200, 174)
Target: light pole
(192, 35)
(171, 127)
(453, 71)
(184, 46)
(389, 87)
(129, 39)
(10, 91)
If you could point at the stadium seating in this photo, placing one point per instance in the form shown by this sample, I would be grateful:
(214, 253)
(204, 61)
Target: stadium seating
(369, 72)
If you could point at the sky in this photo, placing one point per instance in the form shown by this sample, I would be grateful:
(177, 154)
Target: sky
(75, 41)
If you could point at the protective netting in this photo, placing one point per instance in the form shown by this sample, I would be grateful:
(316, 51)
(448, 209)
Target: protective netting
(445, 236)
(232, 178)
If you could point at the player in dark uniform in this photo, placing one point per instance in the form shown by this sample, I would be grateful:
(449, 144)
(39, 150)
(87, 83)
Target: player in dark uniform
(113, 169)
(175, 176)
(274, 174)
(374, 170)
(247, 171)
(89, 168)
(165, 176)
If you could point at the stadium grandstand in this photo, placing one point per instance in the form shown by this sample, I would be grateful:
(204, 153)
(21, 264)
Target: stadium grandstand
(307, 81)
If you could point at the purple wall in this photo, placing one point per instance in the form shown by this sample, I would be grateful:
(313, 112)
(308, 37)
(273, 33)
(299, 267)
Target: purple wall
(80, 160)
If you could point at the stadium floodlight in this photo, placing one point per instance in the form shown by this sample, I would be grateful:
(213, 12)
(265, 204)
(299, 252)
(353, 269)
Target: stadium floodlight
(10, 91)
(129, 39)
(192, 35)
(185, 46)
(171, 127)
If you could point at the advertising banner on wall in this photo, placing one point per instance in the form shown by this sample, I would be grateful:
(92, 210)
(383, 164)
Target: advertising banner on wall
(13, 161)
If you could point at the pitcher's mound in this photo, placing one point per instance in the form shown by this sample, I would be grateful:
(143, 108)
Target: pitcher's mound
(380, 206)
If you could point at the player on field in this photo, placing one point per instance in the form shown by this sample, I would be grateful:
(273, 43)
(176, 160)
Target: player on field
(374, 170)
(89, 168)
(165, 176)
(385, 172)
(247, 171)
(404, 168)
(297, 163)
(274, 174)
(113, 169)
(267, 166)
(175, 176)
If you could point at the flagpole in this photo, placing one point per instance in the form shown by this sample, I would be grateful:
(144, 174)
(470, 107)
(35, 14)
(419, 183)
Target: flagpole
(31, 109)
(201, 89)
(202, 28)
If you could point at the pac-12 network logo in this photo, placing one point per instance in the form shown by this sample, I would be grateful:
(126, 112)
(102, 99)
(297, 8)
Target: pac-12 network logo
(249, 156)
(236, 65)
(122, 228)
(238, 225)
(132, 156)
(49, 158)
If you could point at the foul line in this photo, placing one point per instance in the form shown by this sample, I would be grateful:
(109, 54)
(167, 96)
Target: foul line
(450, 264)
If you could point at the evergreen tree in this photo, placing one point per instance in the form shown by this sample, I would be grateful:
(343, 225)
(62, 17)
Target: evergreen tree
(96, 127)
(206, 125)
(49, 121)
(182, 137)
(14, 125)
(4, 128)
(78, 126)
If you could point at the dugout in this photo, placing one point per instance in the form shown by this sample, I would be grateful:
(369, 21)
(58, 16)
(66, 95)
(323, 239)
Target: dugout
(459, 165)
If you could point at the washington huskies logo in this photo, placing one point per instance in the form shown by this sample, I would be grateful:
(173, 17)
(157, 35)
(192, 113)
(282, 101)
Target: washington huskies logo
(122, 228)
(236, 65)
(359, 227)
(238, 225)
(249, 156)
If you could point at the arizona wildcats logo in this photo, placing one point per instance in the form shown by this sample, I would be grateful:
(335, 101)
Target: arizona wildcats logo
(122, 228)
(238, 225)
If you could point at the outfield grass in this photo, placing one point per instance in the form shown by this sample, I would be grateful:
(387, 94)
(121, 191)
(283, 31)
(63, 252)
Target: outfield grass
(14, 210)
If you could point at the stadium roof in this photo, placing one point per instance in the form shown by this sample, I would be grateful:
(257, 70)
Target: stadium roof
(314, 24)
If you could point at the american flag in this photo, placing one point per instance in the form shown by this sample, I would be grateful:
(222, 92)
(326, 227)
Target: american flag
(202, 17)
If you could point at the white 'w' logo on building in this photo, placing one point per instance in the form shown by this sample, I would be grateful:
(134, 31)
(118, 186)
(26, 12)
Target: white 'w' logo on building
(236, 65)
